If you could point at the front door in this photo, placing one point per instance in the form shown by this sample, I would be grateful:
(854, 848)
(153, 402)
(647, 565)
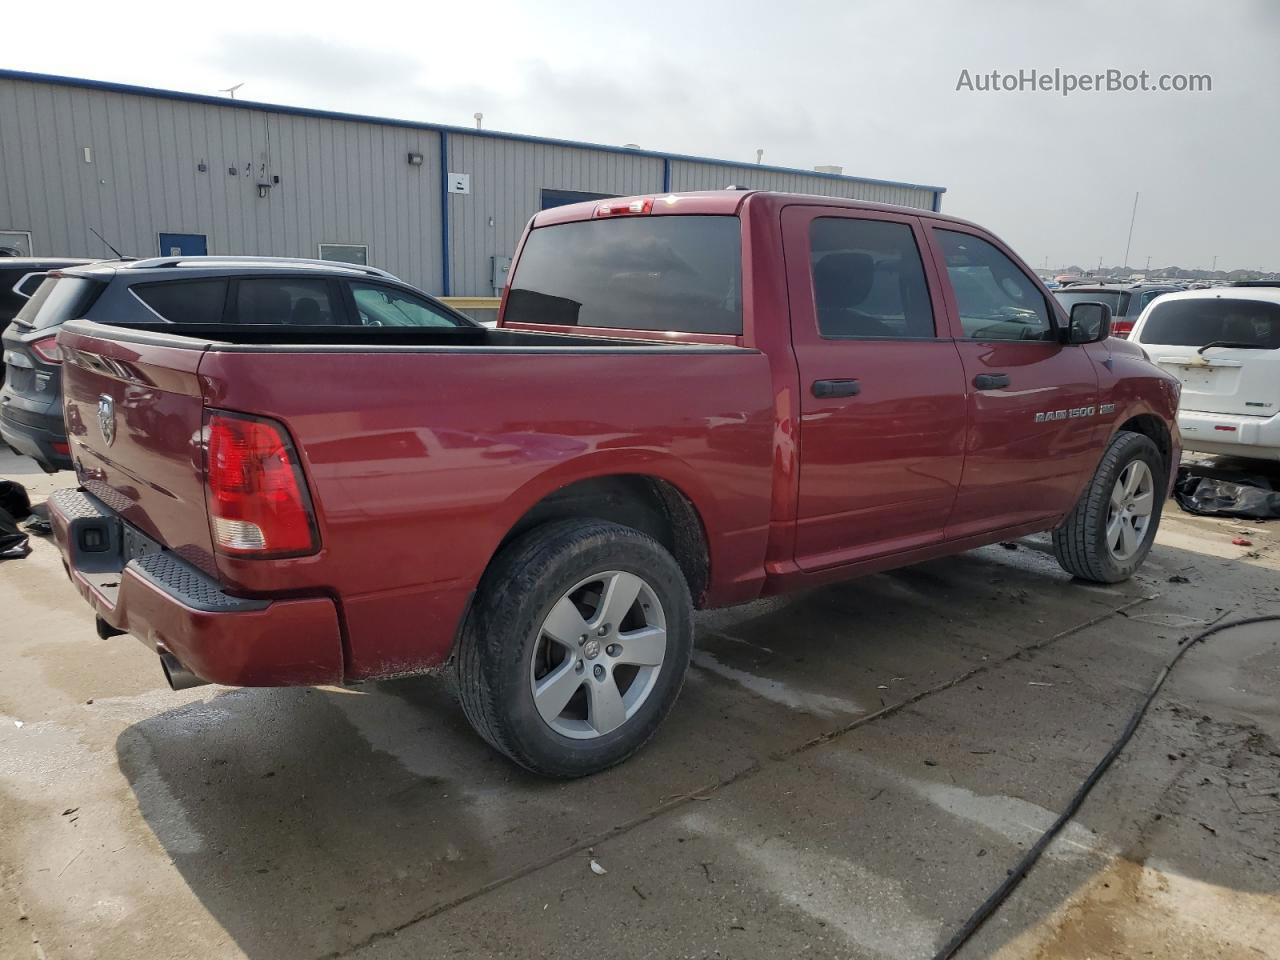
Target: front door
(1033, 401)
(183, 245)
(882, 422)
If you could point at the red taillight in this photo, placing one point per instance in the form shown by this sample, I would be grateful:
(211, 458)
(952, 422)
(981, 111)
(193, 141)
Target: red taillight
(1121, 328)
(46, 349)
(623, 208)
(257, 496)
(1224, 429)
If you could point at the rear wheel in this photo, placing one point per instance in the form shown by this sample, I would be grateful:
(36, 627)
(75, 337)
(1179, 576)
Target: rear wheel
(1109, 533)
(576, 647)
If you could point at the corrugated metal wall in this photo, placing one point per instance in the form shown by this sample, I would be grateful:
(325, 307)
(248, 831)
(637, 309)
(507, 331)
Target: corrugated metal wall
(341, 180)
(507, 177)
(692, 175)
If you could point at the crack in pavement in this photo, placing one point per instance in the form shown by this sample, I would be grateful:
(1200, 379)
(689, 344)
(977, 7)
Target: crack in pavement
(704, 792)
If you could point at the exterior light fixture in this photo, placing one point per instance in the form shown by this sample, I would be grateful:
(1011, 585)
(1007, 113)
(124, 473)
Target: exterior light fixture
(415, 159)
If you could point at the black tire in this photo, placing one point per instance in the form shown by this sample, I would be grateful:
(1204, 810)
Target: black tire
(497, 645)
(1080, 544)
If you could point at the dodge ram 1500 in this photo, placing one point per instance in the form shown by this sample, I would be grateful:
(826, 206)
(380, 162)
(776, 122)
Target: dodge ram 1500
(689, 401)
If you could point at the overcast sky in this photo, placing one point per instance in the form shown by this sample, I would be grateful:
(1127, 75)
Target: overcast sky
(867, 84)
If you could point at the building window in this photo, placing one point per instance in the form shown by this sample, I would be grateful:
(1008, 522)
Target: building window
(558, 198)
(15, 243)
(346, 252)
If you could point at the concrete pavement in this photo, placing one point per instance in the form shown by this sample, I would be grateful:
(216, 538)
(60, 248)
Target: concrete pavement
(781, 811)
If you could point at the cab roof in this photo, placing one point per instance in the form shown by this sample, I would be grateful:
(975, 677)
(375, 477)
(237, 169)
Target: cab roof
(726, 203)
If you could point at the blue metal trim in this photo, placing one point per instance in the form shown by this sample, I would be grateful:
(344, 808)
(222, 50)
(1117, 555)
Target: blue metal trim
(444, 212)
(666, 174)
(437, 127)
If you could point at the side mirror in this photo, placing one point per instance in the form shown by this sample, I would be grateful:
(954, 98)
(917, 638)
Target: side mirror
(1090, 322)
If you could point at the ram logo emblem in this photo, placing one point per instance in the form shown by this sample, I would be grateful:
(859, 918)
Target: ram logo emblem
(107, 418)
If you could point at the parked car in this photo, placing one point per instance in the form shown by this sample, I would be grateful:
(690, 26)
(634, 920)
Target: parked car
(1224, 345)
(689, 401)
(1126, 300)
(199, 291)
(19, 278)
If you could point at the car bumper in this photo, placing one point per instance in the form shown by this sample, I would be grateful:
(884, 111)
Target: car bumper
(138, 587)
(39, 436)
(1221, 433)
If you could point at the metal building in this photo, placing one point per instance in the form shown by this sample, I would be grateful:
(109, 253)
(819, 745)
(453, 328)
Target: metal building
(161, 172)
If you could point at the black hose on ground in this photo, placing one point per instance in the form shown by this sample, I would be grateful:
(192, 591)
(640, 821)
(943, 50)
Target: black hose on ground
(993, 902)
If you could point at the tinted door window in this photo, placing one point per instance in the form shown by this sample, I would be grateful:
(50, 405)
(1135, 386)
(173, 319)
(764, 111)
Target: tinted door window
(196, 301)
(679, 273)
(379, 306)
(996, 300)
(868, 280)
(298, 301)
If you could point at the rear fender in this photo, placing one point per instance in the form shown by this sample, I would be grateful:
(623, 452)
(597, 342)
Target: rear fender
(609, 463)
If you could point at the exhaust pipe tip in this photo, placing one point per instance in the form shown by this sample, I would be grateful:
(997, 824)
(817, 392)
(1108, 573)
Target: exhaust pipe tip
(179, 677)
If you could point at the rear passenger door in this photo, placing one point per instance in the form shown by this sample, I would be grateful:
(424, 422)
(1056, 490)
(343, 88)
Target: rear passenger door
(882, 408)
(1032, 400)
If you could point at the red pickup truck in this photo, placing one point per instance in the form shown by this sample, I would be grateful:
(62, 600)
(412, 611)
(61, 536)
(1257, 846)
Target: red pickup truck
(689, 401)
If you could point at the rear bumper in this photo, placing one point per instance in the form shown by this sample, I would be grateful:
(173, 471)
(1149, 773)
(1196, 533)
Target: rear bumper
(137, 586)
(1223, 433)
(39, 436)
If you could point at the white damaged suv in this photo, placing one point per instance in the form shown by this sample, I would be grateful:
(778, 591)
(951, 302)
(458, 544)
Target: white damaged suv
(1224, 345)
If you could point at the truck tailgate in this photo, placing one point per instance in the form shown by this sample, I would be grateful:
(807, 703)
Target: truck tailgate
(134, 416)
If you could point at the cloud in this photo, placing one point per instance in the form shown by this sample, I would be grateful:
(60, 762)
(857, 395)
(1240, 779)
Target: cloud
(312, 64)
(869, 85)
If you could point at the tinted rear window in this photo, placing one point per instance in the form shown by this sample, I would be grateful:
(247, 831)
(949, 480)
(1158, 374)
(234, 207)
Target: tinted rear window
(632, 273)
(1193, 323)
(58, 300)
(1117, 300)
(195, 301)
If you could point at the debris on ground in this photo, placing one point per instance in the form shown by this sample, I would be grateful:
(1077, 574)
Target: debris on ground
(1178, 578)
(15, 505)
(1008, 545)
(38, 523)
(598, 870)
(1211, 492)
(1242, 542)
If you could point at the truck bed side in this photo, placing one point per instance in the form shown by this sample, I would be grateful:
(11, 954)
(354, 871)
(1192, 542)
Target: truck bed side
(422, 459)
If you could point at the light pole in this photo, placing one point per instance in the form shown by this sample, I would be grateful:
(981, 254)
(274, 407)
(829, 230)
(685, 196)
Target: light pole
(1127, 243)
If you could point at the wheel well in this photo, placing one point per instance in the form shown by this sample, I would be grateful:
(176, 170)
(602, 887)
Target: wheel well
(1154, 428)
(644, 503)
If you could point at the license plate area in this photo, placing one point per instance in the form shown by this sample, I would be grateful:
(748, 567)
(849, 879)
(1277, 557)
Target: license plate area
(101, 546)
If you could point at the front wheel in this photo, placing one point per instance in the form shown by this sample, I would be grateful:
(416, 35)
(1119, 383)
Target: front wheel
(576, 647)
(1109, 533)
